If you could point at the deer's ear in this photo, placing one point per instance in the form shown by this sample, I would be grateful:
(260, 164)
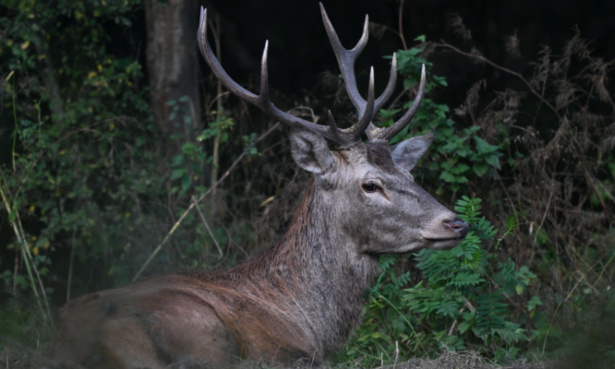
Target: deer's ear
(310, 151)
(407, 153)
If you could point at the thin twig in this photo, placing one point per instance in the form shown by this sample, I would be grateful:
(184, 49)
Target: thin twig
(26, 255)
(544, 344)
(198, 209)
(544, 216)
(401, 28)
(193, 205)
(39, 280)
(603, 270)
(396, 343)
(503, 69)
(70, 268)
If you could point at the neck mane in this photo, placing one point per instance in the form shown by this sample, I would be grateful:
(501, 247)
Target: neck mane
(314, 274)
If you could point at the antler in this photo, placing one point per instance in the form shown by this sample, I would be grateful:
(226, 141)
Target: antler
(346, 60)
(343, 137)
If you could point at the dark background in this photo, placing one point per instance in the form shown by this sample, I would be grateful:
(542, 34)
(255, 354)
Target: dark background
(299, 50)
(575, 226)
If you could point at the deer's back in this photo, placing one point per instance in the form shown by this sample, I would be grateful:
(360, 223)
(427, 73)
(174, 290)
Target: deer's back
(174, 319)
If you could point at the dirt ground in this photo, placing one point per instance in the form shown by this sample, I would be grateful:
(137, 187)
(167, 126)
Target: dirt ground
(15, 357)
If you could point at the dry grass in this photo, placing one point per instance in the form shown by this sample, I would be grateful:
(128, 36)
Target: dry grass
(16, 356)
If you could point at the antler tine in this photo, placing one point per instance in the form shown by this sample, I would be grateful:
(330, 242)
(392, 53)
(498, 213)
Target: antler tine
(215, 65)
(366, 118)
(346, 60)
(262, 100)
(334, 129)
(264, 92)
(388, 91)
(386, 95)
(390, 132)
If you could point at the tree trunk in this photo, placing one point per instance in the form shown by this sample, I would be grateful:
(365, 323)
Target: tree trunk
(172, 62)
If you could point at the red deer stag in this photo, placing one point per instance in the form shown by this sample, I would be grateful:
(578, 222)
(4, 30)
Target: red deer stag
(301, 298)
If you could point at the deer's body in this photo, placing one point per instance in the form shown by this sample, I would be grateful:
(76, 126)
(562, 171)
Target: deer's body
(301, 298)
(288, 303)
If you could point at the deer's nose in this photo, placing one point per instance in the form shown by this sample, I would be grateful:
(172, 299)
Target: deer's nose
(458, 226)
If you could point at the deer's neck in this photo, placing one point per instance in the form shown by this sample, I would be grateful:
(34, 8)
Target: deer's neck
(323, 274)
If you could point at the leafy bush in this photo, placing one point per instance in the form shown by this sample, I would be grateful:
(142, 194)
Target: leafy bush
(81, 136)
(468, 300)
(456, 154)
(554, 173)
(84, 188)
(557, 176)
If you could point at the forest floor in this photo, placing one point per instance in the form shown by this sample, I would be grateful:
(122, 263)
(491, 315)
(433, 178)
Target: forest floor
(19, 357)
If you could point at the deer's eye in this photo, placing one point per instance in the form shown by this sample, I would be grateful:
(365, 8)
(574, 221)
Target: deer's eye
(370, 187)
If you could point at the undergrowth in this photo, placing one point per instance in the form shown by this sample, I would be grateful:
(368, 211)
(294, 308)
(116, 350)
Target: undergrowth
(86, 194)
(467, 300)
(547, 185)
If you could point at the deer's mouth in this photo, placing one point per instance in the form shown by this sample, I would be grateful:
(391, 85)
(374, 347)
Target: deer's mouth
(444, 243)
(450, 235)
(458, 238)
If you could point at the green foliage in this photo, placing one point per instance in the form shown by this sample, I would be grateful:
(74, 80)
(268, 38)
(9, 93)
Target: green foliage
(84, 174)
(220, 126)
(20, 322)
(249, 144)
(187, 166)
(467, 301)
(81, 173)
(81, 134)
(455, 155)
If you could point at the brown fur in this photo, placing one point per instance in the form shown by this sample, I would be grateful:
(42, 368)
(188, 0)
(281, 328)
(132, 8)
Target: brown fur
(298, 300)
(246, 312)
(379, 154)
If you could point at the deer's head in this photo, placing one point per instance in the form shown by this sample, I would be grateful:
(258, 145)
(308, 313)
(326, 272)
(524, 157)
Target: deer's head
(373, 196)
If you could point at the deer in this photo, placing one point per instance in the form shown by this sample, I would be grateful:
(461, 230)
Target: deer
(301, 298)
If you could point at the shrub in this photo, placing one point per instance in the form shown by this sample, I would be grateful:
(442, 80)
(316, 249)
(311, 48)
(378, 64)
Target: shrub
(81, 136)
(468, 300)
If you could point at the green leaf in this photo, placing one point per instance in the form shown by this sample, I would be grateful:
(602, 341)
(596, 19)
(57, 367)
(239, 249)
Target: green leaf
(534, 301)
(482, 147)
(464, 326)
(440, 80)
(461, 168)
(385, 114)
(186, 183)
(177, 160)
(480, 169)
(494, 161)
(448, 177)
(409, 83)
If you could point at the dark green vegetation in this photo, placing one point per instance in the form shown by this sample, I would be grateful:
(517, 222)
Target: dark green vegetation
(91, 187)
